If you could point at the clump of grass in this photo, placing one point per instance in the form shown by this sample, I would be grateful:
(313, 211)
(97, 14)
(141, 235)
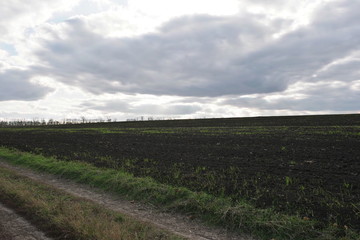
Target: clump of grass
(241, 216)
(68, 217)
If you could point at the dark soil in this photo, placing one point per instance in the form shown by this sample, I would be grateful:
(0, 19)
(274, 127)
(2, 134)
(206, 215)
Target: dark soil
(304, 165)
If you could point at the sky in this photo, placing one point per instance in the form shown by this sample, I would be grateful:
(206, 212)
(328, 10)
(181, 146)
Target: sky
(121, 59)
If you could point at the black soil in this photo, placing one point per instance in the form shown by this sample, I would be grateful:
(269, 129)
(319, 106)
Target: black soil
(306, 165)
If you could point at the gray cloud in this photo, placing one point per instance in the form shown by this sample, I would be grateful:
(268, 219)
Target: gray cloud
(175, 109)
(347, 70)
(322, 96)
(190, 56)
(15, 87)
(150, 109)
(108, 106)
(203, 55)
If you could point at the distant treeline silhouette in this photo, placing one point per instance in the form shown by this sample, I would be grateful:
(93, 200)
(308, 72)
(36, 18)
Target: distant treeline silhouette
(43, 122)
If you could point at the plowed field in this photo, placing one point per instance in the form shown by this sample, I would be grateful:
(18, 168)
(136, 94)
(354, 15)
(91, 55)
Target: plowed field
(300, 165)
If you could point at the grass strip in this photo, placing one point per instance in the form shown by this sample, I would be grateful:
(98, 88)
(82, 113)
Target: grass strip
(263, 223)
(69, 217)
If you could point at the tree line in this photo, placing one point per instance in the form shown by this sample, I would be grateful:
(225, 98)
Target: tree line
(43, 122)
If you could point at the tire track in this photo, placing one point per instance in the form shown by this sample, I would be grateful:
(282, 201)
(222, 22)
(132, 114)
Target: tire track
(15, 227)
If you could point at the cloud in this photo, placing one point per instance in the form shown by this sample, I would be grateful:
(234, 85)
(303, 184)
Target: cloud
(161, 8)
(17, 20)
(18, 16)
(127, 107)
(250, 60)
(174, 109)
(319, 96)
(189, 56)
(200, 55)
(347, 69)
(13, 86)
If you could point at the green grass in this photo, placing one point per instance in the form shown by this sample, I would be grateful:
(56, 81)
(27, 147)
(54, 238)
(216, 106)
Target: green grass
(67, 217)
(241, 216)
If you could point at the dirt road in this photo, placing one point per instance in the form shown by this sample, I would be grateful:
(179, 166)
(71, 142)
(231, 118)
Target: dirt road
(14, 227)
(175, 223)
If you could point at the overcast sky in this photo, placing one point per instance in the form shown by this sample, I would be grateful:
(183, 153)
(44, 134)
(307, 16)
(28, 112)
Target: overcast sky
(123, 59)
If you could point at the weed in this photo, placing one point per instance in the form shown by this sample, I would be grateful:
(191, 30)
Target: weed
(288, 180)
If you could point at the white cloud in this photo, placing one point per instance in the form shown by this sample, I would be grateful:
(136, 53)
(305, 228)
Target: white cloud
(169, 9)
(17, 16)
